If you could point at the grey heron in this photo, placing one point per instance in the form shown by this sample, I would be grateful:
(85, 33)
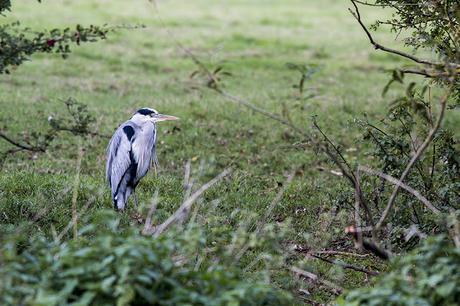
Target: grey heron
(130, 152)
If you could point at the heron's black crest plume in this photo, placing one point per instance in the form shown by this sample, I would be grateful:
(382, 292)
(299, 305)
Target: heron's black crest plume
(146, 111)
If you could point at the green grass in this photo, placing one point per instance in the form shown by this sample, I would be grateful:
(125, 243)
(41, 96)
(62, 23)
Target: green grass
(145, 67)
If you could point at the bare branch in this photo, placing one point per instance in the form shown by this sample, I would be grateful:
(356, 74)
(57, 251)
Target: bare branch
(348, 173)
(359, 236)
(378, 46)
(261, 111)
(403, 186)
(188, 184)
(19, 145)
(422, 72)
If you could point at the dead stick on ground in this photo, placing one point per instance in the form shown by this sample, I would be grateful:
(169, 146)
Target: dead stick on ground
(330, 252)
(345, 265)
(336, 288)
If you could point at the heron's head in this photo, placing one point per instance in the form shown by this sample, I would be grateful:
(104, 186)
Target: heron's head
(146, 114)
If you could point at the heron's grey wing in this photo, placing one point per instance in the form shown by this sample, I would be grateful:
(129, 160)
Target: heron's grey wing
(119, 154)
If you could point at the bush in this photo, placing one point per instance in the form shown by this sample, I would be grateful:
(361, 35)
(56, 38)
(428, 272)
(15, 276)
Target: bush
(429, 275)
(105, 266)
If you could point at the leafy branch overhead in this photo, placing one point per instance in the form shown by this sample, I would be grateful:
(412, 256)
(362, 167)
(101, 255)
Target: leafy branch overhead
(5, 5)
(17, 43)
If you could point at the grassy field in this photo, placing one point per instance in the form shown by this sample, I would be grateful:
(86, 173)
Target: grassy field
(141, 67)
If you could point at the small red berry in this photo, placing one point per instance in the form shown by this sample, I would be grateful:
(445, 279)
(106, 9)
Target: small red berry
(51, 42)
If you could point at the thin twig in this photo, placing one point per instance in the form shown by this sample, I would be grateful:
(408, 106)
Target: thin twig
(349, 174)
(188, 203)
(261, 111)
(267, 214)
(70, 224)
(148, 220)
(422, 72)
(415, 158)
(359, 236)
(19, 145)
(188, 184)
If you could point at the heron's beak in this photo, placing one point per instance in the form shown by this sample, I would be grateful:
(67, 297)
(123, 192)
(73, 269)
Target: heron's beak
(161, 117)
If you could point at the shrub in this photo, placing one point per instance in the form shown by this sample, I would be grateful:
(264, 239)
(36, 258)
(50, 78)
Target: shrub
(107, 265)
(429, 275)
